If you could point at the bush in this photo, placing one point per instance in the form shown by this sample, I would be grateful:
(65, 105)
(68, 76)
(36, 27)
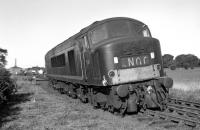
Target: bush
(7, 85)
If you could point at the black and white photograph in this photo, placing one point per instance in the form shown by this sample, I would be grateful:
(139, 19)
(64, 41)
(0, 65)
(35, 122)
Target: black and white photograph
(99, 65)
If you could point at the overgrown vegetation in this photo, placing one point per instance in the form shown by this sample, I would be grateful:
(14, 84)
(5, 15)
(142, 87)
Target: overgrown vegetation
(7, 85)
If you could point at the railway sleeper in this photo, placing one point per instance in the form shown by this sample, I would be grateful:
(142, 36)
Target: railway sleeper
(184, 103)
(180, 120)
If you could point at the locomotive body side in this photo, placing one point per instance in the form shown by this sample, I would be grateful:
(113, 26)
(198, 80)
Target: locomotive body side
(64, 63)
(114, 64)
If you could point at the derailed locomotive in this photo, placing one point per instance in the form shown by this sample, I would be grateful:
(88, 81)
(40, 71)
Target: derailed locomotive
(114, 64)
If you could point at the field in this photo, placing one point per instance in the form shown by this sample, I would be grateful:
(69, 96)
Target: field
(186, 83)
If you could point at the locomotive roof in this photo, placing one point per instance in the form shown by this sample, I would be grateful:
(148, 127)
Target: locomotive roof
(94, 24)
(86, 29)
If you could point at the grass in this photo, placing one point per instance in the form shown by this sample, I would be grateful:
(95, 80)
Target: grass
(38, 107)
(186, 83)
(46, 109)
(10, 110)
(185, 94)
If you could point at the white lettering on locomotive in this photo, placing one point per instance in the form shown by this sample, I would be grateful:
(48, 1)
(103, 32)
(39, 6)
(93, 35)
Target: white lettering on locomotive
(144, 59)
(137, 61)
(131, 62)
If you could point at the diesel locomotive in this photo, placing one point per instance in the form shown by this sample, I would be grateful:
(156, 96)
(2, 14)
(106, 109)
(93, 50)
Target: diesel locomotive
(114, 64)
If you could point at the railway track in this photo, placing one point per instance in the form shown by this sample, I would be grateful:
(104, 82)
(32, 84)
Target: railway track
(187, 108)
(183, 104)
(180, 112)
(171, 117)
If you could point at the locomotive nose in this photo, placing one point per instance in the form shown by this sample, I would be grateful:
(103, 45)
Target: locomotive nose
(129, 60)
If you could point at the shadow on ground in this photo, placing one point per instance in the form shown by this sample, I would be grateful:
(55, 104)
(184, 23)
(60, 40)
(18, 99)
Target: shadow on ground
(9, 110)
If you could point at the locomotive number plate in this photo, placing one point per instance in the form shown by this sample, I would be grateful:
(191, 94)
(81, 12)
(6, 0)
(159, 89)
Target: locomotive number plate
(135, 61)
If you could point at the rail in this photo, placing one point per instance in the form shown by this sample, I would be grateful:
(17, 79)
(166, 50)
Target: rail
(173, 117)
(180, 112)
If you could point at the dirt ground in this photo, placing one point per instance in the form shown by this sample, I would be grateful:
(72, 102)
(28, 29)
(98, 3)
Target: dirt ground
(38, 107)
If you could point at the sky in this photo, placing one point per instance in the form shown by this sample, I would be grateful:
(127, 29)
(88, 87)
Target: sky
(29, 28)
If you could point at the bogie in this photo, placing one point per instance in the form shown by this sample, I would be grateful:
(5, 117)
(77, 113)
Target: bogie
(146, 95)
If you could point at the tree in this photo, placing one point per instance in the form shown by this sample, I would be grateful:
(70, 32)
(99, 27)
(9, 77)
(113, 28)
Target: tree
(167, 60)
(192, 60)
(180, 59)
(187, 61)
(3, 54)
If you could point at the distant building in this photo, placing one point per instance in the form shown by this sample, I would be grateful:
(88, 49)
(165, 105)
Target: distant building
(34, 70)
(15, 69)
